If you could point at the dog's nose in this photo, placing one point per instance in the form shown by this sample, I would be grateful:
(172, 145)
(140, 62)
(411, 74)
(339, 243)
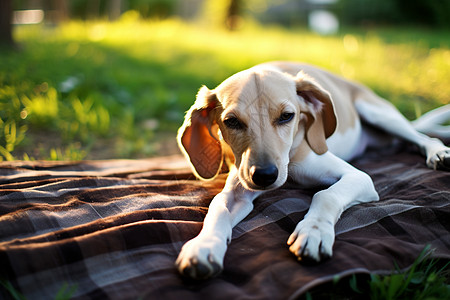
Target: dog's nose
(264, 176)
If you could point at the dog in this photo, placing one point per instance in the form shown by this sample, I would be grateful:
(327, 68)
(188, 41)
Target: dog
(281, 119)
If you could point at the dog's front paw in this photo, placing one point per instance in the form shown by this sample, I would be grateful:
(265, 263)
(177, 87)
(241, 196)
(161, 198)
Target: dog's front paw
(312, 240)
(201, 258)
(439, 160)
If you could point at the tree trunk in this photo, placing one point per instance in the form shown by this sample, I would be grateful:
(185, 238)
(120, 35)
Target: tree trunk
(233, 14)
(61, 11)
(5, 23)
(115, 9)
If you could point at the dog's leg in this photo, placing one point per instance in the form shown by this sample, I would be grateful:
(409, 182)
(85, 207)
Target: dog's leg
(382, 114)
(432, 123)
(313, 238)
(202, 257)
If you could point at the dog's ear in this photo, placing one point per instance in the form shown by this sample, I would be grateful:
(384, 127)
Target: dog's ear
(198, 136)
(322, 120)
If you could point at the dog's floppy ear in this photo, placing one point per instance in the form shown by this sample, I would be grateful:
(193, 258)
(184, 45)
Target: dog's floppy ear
(322, 120)
(198, 136)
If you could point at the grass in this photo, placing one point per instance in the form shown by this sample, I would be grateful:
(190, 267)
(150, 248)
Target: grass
(427, 278)
(64, 293)
(110, 90)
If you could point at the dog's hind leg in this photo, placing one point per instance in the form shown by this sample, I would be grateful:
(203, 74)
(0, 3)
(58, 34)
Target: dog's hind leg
(383, 115)
(432, 123)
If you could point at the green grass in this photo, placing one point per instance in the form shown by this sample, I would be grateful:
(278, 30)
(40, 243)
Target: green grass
(427, 278)
(108, 90)
(64, 293)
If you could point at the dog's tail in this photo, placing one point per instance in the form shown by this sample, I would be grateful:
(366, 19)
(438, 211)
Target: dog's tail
(435, 123)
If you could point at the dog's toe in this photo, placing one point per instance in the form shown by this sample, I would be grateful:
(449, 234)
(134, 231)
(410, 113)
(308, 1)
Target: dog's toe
(313, 257)
(440, 160)
(198, 262)
(443, 162)
(312, 241)
(200, 271)
(215, 269)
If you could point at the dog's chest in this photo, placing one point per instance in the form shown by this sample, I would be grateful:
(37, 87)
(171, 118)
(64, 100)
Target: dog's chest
(347, 144)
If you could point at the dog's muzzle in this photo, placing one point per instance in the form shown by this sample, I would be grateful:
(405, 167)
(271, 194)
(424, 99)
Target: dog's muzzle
(264, 176)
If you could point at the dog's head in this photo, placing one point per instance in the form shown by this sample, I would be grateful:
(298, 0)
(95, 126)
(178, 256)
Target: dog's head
(262, 115)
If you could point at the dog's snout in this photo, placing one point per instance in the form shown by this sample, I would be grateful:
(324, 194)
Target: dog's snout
(264, 176)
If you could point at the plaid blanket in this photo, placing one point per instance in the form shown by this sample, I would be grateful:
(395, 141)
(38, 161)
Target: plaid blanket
(113, 229)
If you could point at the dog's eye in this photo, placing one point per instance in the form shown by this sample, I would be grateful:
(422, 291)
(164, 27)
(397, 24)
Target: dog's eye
(285, 118)
(233, 123)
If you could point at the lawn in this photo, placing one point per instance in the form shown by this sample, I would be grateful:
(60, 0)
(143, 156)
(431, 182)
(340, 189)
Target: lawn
(89, 90)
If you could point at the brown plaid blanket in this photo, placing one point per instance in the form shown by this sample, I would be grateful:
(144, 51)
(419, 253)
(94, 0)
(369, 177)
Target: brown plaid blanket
(113, 229)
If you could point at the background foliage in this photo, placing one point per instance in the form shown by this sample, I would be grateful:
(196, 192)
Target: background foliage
(100, 89)
(432, 13)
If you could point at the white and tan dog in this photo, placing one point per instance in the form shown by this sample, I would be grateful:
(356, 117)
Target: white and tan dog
(283, 119)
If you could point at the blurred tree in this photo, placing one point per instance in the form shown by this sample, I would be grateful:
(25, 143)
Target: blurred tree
(221, 13)
(233, 15)
(434, 13)
(94, 9)
(5, 23)
(153, 8)
(59, 9)
(115, 9)
(429, 12)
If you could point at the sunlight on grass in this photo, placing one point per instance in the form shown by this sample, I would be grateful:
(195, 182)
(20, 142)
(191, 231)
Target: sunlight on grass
(100, 82)
(42, 106)
(415, 69)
